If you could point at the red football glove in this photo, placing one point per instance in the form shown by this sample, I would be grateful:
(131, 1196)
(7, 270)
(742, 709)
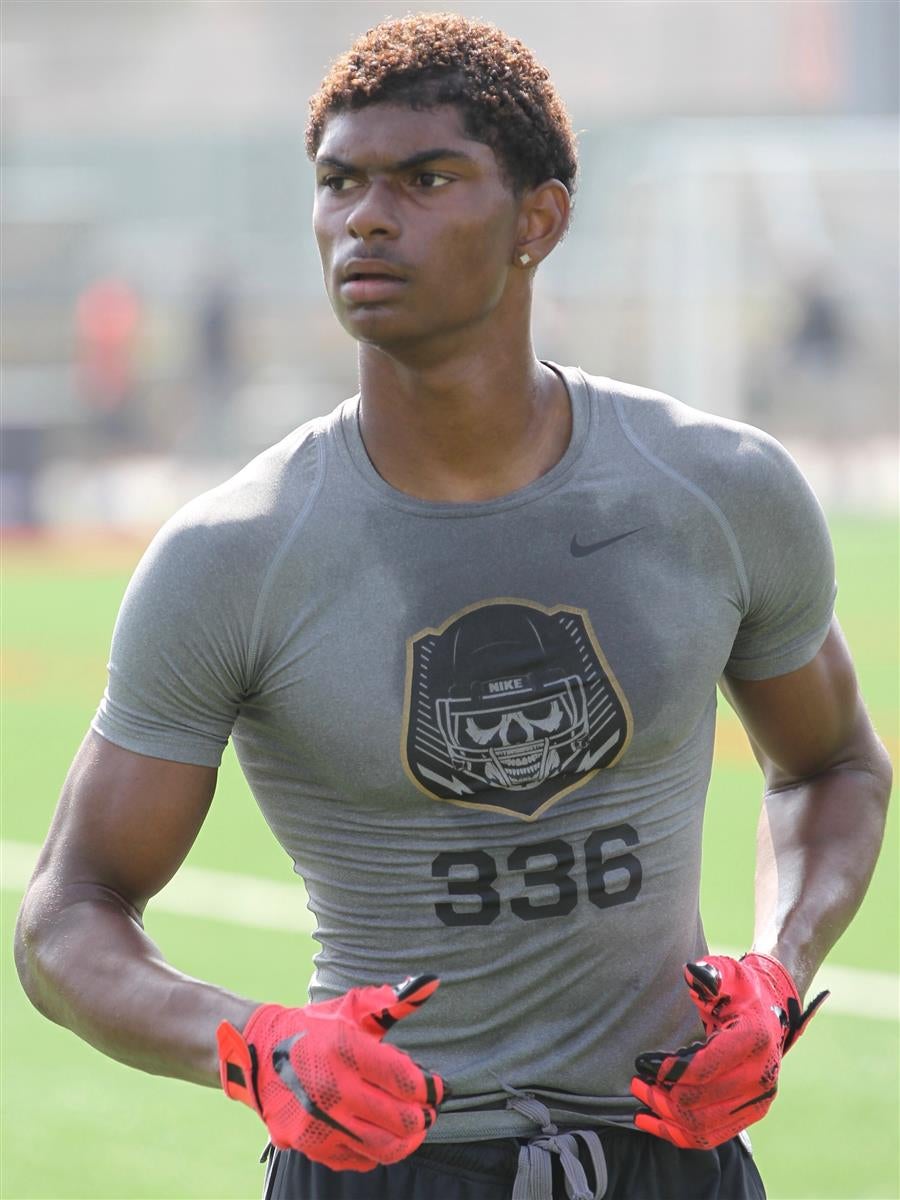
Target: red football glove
(706, 1093)
(324, 1082)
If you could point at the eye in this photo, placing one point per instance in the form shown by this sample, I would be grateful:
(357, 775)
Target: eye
(338, 183)
(431, 180)
(481, 735)
(552, 721)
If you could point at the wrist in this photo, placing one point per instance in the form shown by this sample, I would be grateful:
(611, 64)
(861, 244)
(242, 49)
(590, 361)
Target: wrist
(794, 968)
(789, 1003)
(236, 1056)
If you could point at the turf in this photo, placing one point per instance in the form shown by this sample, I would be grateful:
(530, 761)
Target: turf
(78, 1126)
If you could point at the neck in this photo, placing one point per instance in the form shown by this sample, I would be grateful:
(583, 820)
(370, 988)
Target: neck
(462, 426)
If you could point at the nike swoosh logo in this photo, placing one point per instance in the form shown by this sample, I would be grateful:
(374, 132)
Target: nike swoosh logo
(580, 551)
(281, 1061)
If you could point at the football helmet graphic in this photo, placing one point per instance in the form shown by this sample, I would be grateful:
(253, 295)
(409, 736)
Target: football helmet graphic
(511, 705)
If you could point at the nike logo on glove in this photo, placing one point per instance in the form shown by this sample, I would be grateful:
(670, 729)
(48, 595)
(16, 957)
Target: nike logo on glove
(580, 551)
(281, 1061)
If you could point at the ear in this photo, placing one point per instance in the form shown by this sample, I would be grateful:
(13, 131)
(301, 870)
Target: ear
(543, 219)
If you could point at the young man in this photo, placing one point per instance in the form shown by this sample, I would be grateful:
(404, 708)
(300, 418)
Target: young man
(466, 633)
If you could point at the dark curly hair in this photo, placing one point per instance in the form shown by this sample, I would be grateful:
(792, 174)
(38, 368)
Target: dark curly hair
(504, 95)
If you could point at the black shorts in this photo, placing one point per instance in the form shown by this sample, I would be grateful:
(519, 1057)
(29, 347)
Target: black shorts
(639, 1167)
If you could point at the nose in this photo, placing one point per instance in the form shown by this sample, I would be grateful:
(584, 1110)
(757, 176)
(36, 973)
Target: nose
(518, 730)
(374, 215)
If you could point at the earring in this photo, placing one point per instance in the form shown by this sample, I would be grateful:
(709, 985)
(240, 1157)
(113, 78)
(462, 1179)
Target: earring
(524, 259)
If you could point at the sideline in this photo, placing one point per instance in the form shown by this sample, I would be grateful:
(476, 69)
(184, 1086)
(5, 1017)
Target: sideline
(282, 907)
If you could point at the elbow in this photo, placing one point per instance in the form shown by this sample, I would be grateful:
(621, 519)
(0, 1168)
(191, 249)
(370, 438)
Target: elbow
(26, 950)
(877, 771)
(38, 948)
(882, 772)
(887, 782)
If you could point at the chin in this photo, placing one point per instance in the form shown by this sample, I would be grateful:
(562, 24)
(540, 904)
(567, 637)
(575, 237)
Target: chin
(381, 328)
(402, 335)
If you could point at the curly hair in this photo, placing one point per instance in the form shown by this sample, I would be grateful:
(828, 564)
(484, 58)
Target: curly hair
(504, 95)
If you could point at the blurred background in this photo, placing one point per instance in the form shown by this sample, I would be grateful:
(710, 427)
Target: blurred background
(735, 240)
(735, 243)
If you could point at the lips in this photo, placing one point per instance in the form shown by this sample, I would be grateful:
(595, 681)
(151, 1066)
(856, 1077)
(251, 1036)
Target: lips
(371, 288)
(370, 280)
(367, 268)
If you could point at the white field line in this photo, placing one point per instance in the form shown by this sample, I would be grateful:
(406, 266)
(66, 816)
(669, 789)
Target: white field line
(197, 892)
(263, 904)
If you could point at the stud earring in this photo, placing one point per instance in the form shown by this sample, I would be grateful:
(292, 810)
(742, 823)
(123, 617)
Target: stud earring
(524, 259)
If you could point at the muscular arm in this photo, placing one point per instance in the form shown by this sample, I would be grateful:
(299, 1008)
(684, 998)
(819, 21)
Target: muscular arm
(827, 785)
(122, 828)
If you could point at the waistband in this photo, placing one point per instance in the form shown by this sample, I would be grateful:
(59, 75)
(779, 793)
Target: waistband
(530, 1149)
(493, 1119)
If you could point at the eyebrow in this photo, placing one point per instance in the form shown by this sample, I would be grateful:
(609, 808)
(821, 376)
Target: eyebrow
(414, 160)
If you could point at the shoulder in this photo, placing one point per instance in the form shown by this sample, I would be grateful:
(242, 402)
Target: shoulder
(254, 508)
(763, 506)
(728, 460)
(265, 493)
(222, 542)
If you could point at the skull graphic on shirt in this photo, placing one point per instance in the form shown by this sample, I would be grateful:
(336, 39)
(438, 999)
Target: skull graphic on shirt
(510, 697)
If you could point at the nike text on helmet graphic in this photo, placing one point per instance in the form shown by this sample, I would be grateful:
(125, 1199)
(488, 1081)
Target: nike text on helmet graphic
(509, 705)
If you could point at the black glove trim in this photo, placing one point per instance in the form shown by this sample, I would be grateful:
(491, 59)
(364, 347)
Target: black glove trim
(797, 1018)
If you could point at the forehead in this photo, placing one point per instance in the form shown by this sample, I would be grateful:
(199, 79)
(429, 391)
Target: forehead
(385, 133)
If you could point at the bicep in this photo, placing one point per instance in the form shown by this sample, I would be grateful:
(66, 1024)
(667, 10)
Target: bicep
(124, 822)
(807, 720)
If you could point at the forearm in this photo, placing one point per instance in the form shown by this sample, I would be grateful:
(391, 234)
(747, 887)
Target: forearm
(86, 963)
(818, 841)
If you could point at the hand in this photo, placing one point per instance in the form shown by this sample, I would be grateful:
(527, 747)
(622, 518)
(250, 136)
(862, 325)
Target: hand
(706, 1093)
(324, 1082)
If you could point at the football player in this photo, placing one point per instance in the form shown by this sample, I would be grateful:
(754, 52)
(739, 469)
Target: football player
(466, 634)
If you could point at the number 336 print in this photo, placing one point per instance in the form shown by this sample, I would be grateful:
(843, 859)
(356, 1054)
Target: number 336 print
(612, 878)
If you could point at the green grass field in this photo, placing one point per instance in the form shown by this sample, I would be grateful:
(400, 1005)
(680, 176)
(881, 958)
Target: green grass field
(76, 1125)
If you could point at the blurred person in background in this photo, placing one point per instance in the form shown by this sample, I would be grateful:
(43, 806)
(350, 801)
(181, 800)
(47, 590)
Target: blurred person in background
(216, 329)
(107, 321)
(814, 355)
(820, 336)
(466, 633)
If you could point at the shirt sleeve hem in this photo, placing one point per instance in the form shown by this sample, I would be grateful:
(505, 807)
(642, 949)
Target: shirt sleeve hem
(781, 662)
(172, 750)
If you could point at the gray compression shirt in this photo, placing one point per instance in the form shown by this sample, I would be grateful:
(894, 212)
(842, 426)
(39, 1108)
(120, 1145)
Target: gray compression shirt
(483, 732)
